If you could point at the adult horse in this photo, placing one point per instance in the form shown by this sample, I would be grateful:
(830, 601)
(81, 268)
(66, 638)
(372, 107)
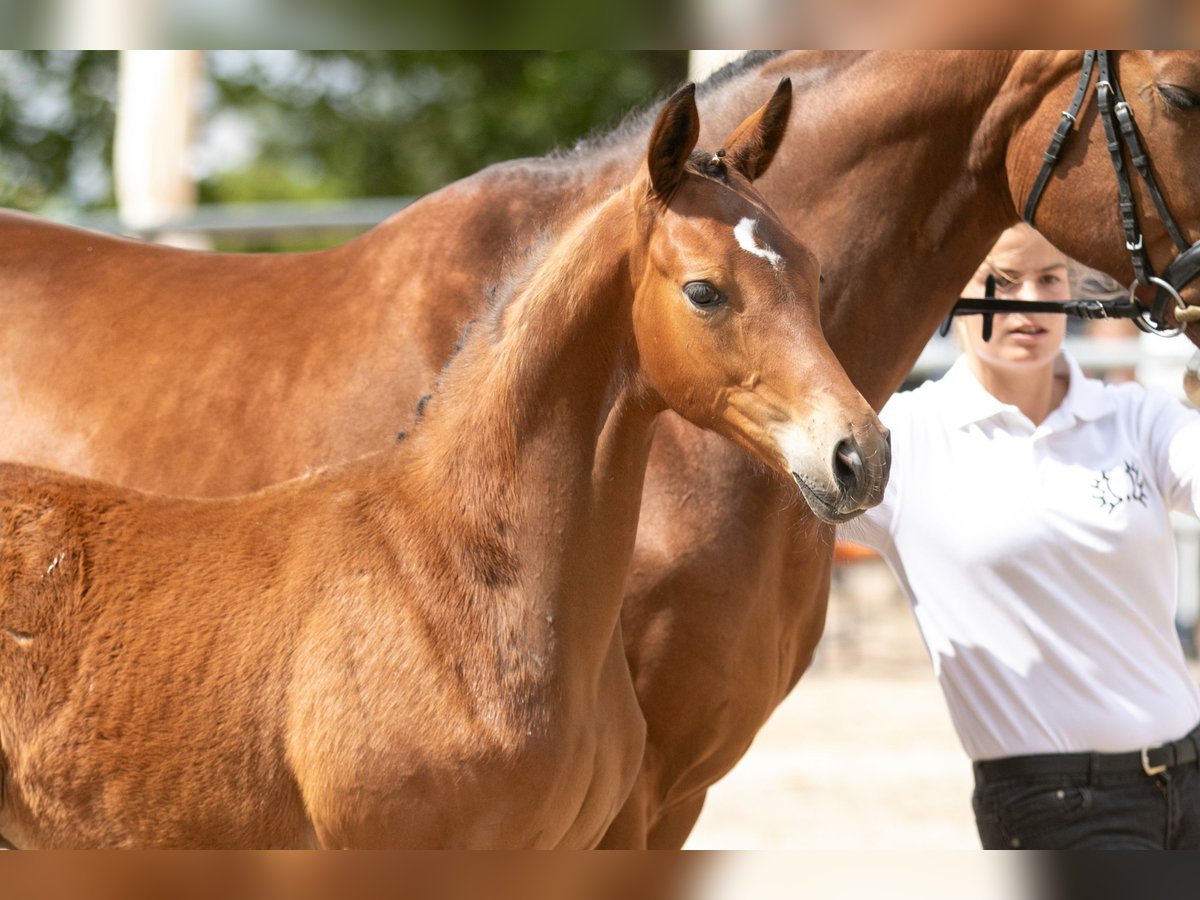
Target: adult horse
(217, 374)
(422, 647)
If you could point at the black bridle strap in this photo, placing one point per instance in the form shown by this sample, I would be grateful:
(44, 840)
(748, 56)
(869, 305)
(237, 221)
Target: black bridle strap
(1121, 133)
(1065, 123)
(1186, 265)
(1184, 268)
(1079, 309)
(988, 305)
(1137, 156)
(1107, 97)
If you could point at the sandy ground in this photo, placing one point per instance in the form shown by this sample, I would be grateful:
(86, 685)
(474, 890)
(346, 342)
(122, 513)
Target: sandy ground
(861, 756)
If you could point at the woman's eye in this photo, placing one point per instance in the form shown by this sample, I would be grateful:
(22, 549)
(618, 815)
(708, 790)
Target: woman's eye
(702, 294)
(1178, 97)
(1004, 284)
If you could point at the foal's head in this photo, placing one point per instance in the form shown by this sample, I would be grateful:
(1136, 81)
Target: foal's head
(726, 318)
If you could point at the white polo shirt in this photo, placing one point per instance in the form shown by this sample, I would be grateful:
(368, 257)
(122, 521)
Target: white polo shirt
(1040, 562)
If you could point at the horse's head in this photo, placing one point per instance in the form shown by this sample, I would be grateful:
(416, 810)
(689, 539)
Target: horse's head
(726, 319)
(1149, 103)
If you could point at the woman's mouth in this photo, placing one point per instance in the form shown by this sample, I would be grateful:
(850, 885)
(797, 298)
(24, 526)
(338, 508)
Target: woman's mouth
(1027, 333)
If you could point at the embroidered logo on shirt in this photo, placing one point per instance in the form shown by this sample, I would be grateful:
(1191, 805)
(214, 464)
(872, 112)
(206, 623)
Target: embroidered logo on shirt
(1121, 484)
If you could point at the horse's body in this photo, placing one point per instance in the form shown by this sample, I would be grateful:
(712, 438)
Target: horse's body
(175, 371)
(422, 647)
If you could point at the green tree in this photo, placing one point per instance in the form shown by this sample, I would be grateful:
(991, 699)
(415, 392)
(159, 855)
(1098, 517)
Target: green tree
(288, 125)
(370, 123)
(56, 128)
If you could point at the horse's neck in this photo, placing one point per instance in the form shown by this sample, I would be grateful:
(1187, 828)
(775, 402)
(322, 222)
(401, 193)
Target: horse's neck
(894, 170)
(536, 446)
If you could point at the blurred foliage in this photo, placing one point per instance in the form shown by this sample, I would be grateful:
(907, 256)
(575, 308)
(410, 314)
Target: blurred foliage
(297, 124)
(56, 127)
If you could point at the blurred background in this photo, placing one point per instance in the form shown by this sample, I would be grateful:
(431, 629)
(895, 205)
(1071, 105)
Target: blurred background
(830, 24)
(285, 149)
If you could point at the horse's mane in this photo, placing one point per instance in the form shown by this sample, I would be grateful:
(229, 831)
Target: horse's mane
(731, 70)
(636, 123)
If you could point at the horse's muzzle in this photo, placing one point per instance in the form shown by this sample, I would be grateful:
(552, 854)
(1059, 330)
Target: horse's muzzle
(860, 468)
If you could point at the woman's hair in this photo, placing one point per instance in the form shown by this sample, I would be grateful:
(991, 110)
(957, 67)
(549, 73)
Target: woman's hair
(1091, 284)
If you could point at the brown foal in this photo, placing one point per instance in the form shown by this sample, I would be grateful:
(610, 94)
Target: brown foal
(422, 648)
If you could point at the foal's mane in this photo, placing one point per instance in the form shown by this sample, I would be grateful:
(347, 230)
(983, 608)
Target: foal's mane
(749, 61)
(519, 265)
(522, 268)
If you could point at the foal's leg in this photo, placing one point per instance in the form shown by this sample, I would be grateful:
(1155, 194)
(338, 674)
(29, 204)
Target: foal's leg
(628, 830)
(673, 826)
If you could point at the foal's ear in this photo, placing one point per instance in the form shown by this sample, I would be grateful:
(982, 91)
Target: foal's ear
(673, 139)
(752, 145)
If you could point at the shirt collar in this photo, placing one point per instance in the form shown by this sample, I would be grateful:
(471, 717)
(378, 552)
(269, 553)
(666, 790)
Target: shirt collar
(966, 401)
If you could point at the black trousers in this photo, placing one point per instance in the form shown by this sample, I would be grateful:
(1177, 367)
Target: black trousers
(1091, 801)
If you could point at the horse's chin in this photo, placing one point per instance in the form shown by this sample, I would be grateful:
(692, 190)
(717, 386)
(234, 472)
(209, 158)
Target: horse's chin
(823, 508)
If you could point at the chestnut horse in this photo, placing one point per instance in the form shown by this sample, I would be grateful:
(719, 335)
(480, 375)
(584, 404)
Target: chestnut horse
(214, 374)
(422, 647)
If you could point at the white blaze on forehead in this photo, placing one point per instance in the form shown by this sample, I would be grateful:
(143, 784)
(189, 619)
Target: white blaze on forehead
(744, 232)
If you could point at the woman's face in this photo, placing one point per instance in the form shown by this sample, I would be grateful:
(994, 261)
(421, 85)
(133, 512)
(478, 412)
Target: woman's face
(1026, 267)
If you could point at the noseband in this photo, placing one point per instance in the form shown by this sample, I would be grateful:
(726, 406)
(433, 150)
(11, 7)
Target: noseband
(1120, 130)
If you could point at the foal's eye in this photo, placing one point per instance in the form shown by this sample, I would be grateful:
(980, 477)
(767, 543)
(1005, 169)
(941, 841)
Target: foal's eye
(701, 294)
(1178, 97)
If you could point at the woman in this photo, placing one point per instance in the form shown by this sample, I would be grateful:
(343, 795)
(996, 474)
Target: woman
(1027, 521)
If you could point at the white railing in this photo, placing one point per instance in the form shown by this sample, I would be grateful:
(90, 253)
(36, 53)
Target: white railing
(257, 221)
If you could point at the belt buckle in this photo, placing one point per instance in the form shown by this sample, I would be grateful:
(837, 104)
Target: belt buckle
(1149, 769)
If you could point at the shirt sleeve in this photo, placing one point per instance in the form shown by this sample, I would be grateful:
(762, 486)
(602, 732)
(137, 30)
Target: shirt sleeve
(1173, 432)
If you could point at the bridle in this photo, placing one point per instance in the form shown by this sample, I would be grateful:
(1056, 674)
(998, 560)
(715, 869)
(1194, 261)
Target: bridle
(988, 305)
(1121, 132)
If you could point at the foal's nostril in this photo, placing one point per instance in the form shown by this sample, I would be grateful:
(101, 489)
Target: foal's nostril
(848, 466)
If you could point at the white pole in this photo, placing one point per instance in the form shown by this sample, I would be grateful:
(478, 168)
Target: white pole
(156, 120)
(104, 23)
(702, 63)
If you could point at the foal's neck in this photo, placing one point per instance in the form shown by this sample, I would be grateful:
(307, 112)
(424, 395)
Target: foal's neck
(536, 447)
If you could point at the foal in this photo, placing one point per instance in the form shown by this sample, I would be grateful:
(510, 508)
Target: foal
(421, 648)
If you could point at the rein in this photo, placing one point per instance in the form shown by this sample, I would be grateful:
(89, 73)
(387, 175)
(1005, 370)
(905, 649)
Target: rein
(988, 305)
(1121, 132)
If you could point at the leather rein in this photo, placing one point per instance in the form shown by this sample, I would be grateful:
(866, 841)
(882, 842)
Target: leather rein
(1122, 138)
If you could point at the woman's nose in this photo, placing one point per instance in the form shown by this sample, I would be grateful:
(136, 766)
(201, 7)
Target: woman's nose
(1029, 290)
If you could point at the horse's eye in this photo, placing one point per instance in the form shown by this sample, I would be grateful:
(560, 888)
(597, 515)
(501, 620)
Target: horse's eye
(702, 295)
(1178, 97)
